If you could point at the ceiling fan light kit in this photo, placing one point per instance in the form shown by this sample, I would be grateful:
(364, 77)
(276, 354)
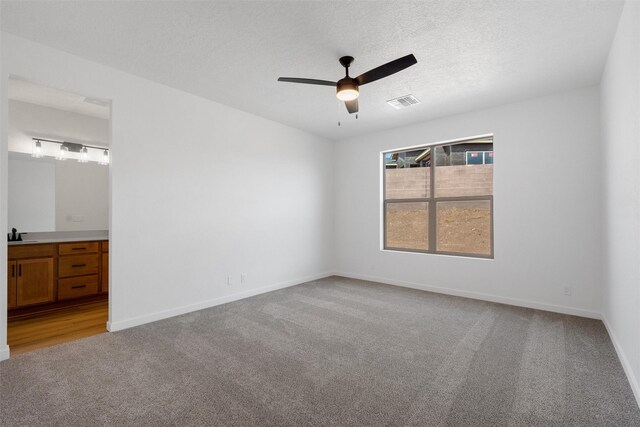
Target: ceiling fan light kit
(348, 88)
(347, 91)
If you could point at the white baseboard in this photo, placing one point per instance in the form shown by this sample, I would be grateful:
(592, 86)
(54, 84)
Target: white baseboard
(4, 353)
(479, 296)
(148, 318)
(633, 382)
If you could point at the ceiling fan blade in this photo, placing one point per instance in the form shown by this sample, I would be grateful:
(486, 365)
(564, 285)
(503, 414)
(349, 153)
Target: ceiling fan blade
(307, 81)
(386, 69)
(352, 106)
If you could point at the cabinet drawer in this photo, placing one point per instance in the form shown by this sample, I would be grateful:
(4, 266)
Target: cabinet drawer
(30, 251)
(78, 248)
(76, 287)
(77, 265)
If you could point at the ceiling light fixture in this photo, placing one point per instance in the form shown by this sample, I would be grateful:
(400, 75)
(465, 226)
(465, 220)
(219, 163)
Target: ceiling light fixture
(347, 89)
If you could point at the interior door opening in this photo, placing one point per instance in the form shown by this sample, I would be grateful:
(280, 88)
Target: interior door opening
(58, 216)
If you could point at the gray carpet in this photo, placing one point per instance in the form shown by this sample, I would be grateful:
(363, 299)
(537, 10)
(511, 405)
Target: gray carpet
(331, 352)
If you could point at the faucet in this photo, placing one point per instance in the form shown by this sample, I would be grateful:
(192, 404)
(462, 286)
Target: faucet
(13, 238)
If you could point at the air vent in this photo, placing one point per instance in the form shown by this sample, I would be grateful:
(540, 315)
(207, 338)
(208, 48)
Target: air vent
(403, 102)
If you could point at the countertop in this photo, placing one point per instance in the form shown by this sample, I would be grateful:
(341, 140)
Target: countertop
(58, 240)
(39, 238)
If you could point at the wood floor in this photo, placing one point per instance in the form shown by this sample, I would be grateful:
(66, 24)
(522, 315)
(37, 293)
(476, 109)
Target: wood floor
(57, 327)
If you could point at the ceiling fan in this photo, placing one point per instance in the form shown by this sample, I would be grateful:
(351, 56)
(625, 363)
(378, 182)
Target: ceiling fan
(347, 89)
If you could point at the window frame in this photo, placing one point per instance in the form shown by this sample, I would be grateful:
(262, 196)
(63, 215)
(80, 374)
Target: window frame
(484, 157)
(432, 204)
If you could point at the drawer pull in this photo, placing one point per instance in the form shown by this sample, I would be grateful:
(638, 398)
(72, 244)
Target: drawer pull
(78, 249)
(78, 286)
(79, 265)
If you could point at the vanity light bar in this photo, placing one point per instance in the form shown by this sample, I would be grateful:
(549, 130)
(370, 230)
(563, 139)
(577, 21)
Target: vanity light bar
(67, 147)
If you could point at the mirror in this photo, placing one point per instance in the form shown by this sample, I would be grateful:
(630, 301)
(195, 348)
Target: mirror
(58, 174)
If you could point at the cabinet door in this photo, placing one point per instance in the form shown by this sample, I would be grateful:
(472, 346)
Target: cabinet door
(12, 274)
(35, 281)
(105, 273)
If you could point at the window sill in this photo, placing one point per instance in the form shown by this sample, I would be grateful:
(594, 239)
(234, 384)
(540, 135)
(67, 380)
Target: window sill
(442, 254)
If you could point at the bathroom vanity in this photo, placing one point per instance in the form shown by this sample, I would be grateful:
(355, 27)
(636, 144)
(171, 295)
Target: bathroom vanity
(54, 273)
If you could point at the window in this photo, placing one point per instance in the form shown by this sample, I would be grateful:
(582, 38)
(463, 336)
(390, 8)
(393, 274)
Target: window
(439, 198)
(479, 157)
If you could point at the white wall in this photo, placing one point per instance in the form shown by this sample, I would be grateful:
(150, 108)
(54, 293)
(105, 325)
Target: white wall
(32, 195)
(620, 93)
(546, 212)
(199, 191)
(81, 196)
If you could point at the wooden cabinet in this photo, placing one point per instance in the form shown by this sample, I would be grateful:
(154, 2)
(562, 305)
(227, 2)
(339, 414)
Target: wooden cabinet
(43, 276)
(104, 267)
(34, 281)
(105, 273)
(12, 275)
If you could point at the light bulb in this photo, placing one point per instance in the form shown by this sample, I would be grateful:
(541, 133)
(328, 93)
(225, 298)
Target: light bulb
(37, 150)
(62, 154)
(105, 158)
(84, 155)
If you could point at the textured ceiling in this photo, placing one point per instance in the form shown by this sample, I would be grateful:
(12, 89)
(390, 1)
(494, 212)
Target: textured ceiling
(470, 54)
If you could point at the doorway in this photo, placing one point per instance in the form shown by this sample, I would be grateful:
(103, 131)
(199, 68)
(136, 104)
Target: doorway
(58, 216)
